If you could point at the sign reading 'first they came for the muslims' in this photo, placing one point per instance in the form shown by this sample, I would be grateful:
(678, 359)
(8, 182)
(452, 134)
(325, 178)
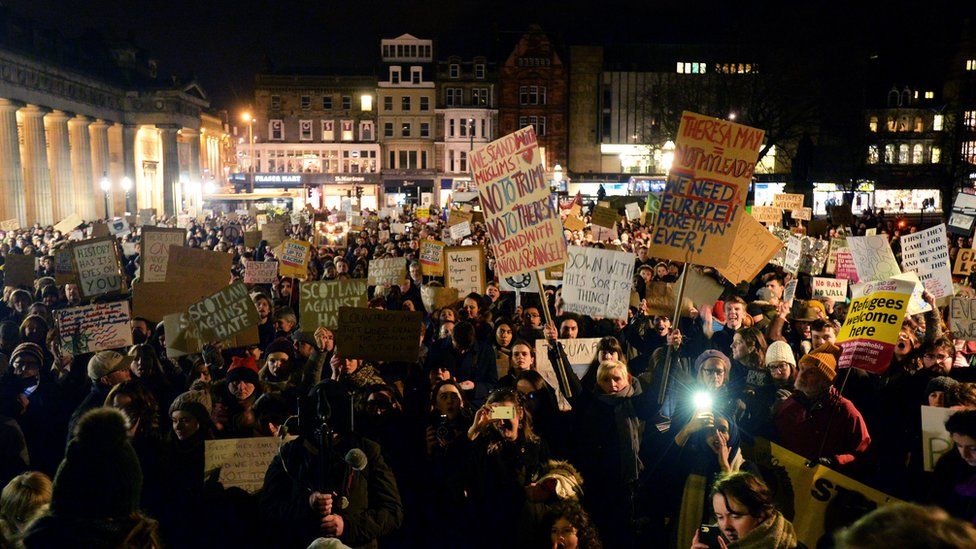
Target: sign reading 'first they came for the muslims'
(706, 189)
(525, 231)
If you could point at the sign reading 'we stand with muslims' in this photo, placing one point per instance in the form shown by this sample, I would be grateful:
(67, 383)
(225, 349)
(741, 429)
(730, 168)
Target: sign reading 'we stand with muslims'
(525, 231)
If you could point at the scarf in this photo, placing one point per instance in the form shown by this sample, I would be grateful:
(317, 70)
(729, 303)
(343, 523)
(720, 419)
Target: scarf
(774, 533)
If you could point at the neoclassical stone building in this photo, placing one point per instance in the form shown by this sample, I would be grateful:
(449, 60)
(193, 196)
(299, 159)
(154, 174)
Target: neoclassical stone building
(70, 119)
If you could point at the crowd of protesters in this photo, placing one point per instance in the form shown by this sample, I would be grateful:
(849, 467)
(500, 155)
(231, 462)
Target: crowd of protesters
(468, 445)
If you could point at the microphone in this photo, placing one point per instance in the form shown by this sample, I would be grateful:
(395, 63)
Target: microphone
(356, 461)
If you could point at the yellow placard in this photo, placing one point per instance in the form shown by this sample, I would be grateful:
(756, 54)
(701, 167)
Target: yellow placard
(877, 317)
(293, 259)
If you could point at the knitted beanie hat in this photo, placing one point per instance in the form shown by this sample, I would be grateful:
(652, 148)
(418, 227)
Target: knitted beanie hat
(100, 476)
(780, 351)
(940, 383)
(713, 354)
(32, 350)
(824, 359)
(243, 369)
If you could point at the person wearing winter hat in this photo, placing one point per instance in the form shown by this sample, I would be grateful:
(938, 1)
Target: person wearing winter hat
(781, 364)
(242, 387)
(937, 390)
(817, 422)
(106, 369)
(95, 499)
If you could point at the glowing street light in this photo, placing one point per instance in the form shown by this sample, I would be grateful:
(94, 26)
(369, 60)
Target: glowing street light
(106, 186)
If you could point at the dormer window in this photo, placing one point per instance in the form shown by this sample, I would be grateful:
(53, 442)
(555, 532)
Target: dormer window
(479, 71)
(455, 70)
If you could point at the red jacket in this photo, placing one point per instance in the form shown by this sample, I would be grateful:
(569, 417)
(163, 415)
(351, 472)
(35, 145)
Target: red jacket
(801, 425)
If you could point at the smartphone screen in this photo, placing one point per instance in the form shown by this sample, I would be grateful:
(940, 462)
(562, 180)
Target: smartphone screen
(503, 412)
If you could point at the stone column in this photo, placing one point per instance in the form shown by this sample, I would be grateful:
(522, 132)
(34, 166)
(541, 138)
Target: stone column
(98, 132)
(171, 167)
(37, 175)
(116, 168)
(59, 162)
(196, 181)
(12, 203)
(129, 133)
(81, 167)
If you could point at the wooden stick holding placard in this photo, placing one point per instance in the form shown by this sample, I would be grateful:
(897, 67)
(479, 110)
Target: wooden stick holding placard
(674, 324)
(558, 366)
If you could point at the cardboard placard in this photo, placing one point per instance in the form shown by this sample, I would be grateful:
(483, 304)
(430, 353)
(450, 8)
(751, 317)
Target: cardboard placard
(770, 215)
(94, 328)
(9, 225)
(602, 216)
(154, 255)
(274, 234)
(661, 297)
(98, 230)
(18, 271)
(198, 268)
(64, 267)
(598, 282)
(293, 259)
(873, 257)
(182, 337)
(705, 193)
(432, 257)
(794, 247)
(319, 302)
(373, 334)
(224, 314)
(464, 269)
(962, 318)
(965, 261)
(752, 249)
(927, 253)
(97, 265)
(459, 216)
(260, 272)
(252, 239)
(873, 322)
(460, 230)
(787, 201)
(437, 297)
(241, 462)
(387, 271)
(702, 289)
(69, 223)
(833, 288)
(802, 214)
(147, 216)
(935, 439)
(523, 225)
(422, 213)
(633, 211)
(574, 223)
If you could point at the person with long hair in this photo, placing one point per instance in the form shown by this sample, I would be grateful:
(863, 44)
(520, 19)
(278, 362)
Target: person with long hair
(24, 498)
(745, 513)
(608, 348)
(570, 527)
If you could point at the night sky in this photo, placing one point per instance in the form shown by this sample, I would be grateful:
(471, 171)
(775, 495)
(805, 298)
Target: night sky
(225, 43)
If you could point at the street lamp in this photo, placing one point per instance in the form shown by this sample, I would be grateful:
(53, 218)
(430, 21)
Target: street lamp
(106, 186)
(126, 185)
(557, 174)
(249, 120)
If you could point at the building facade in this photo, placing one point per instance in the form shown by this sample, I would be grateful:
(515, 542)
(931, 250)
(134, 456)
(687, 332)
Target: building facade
(406, 98)
(533, 84)
(467, 116)
(322, 126)
(73, 126)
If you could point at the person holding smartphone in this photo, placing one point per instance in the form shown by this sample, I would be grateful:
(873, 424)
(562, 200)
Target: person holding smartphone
(746, 517)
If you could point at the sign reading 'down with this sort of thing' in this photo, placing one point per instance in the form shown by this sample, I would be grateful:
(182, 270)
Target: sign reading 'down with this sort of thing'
(224, 314)
(373, 334)
(319, 302)
(97, 264)
(524, 228)
(706, 190)
(598, 282)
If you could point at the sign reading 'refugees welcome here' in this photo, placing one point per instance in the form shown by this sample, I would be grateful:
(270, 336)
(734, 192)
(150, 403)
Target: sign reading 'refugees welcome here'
(523, 226)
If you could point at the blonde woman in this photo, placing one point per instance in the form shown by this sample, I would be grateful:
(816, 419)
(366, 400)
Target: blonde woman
(24, 498)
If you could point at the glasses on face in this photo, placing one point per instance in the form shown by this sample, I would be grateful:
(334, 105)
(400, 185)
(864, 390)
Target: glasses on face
(779, 367)
(532, 315)
(938, 358)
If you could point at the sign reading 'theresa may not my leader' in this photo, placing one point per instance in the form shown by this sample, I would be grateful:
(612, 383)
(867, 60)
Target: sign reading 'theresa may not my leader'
(525, 231)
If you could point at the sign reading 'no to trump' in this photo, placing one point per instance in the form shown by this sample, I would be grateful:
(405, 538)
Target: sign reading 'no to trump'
(525, 231)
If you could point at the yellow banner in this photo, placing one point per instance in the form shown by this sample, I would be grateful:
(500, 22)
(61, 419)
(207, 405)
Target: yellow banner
(293, 262)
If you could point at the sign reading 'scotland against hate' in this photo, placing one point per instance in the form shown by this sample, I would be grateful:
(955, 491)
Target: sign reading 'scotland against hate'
(706, 189)
(224, 314)
(320, 301)
(525, 231)
(598, 282)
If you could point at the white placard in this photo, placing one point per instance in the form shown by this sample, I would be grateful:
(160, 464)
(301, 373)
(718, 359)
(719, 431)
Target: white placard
(935, 439)
(872, 257)
(632, 211)
(927, 253)
(598, 282)
(833, 288)
(794, 249)
(460, 230)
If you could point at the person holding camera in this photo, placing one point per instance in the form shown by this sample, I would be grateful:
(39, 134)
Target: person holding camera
(745, 516)
(330, 482)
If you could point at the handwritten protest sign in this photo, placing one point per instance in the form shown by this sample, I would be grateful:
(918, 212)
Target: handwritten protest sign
(182, 337)
(815, 491)
(598, 282)
(651, 208)
(260, 272)
(18, 270)
(965, 261)
(94, 327)
(579, 352)
(962, 318)
(432, 257)
(64, 268)
(69, 223)
(661, 299)
(294, 259)
(935, 439)
(927, 253)
(845, 265)
(802, 214)
(464, 269)
(154, 254)
(833, 288)
(793, 249)
(752, 249)
(195, 268)
(252, 239)
(224, 314)
(767, 214)
(388, 270)
(97, 265)
(458, 216)
(9, 225)
(274, 233)
(460, 230)
(240, 462)
(524, 229)
(873, 257)
(319, 302)
(398, 228)
(713, 164)
(602, 216)
(373, 334)
(836, 245)
(633, 211)
(870, 331)
(787, 201)
(574, 223)
(702, 289)
(437, 297)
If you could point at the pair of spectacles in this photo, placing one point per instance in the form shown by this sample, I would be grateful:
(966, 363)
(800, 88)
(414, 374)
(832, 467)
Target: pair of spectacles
(936, 357)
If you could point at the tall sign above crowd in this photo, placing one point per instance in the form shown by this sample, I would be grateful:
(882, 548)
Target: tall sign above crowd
(706, 190)
(524, 228)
